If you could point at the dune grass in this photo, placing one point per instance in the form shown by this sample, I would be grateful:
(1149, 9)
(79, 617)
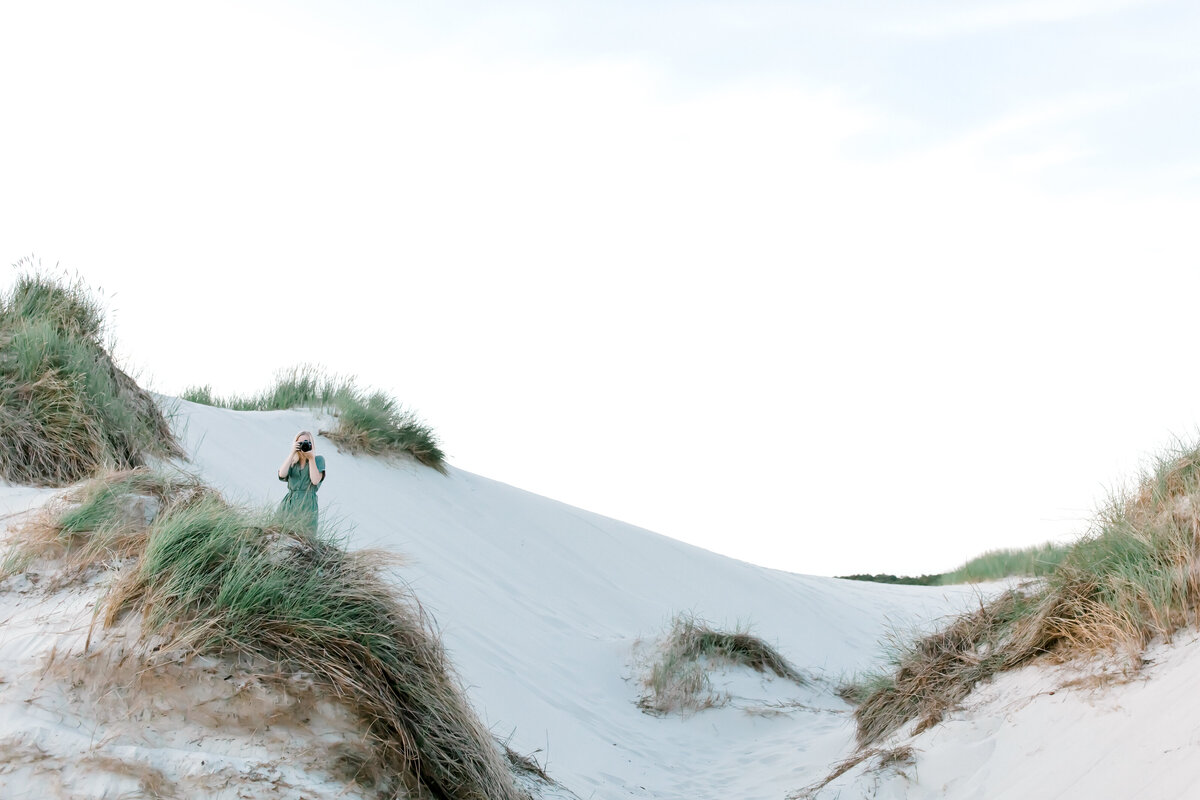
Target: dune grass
(367, 422)
(677, 680)
(1133, 578)
(219, 580)
(303, 386)
(995, 565)
(66, 409)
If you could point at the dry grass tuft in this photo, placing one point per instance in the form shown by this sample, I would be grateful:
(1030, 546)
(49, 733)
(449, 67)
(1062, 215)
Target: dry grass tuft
(678, 677)
(526, 765)
(1134, 578)
(936, 672)
(894, 759)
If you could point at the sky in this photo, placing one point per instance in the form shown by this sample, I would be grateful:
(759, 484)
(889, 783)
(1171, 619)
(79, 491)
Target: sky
(829, 287)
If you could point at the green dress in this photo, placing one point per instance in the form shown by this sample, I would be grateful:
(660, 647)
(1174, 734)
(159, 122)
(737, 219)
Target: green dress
(301, 498)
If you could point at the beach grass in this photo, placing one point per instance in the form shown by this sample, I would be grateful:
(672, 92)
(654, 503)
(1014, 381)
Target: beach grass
(994, 565)
(677, 679)
(66, 409)
(301, 386)
(368, 422)
(1133, 578)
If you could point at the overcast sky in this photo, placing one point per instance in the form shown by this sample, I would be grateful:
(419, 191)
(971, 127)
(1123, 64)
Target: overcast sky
(828, 286)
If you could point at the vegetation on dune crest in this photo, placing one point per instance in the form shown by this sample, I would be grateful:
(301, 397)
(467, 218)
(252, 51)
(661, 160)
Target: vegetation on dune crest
(677, 680)
(215, 579)
(904, 580)
(367, 422)
(1133, 578)
(66, 409)
(994, 565)
(296, 387)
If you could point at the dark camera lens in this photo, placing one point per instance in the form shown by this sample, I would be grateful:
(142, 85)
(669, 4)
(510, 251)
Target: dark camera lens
(306, 446)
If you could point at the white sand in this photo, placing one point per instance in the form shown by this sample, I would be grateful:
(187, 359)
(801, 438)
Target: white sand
(541, 606)
(1057, 732)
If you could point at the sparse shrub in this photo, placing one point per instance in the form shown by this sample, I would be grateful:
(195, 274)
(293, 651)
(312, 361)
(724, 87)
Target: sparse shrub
(1134, 577)
(367, 422)
(220, 580)
(677, 679)
(66, 409)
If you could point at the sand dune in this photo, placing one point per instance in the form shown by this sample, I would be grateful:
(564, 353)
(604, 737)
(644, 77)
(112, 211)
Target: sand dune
(543, 608)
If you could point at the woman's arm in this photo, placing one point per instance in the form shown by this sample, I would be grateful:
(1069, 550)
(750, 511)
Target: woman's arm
(314, 474)
(287, 463)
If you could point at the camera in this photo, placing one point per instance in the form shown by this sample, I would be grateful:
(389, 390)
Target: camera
(306, 446)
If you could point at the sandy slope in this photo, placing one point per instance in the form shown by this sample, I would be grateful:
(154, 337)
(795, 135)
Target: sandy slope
(1057, 732)
(541, 605)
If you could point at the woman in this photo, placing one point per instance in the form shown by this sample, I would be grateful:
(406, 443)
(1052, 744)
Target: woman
(304, 471)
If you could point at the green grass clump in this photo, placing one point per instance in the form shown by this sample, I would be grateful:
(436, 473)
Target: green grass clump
(1133, 578)
(66, 409)
(221, 580)
(367, 422)
(678, 677)
(376, 424)
(994, 565)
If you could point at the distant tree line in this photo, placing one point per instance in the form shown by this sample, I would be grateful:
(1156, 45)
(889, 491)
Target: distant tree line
(920, 580)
